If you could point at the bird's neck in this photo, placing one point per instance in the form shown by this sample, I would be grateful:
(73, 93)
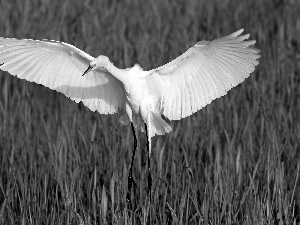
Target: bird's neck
(116, 72)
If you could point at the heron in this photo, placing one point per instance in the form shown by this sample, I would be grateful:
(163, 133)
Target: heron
(206, 71)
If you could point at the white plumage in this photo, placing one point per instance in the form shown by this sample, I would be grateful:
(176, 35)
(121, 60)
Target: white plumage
(177, 89)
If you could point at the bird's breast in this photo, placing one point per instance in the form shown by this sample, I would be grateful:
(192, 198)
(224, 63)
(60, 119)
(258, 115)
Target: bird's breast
(138, 96)
(134, 99)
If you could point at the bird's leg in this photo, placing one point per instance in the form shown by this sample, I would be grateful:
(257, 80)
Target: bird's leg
(130, 178)
(149, 171)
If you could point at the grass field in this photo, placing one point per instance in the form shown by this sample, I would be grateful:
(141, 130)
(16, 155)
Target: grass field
(236, 161)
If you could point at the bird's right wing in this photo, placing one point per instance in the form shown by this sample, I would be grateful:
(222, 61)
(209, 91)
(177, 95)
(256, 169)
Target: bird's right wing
(203, 73)
(59, 66)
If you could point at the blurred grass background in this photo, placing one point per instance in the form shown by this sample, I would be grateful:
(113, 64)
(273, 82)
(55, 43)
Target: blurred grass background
(236, 161)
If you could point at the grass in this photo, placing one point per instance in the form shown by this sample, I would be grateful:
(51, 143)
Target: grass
(236, 161)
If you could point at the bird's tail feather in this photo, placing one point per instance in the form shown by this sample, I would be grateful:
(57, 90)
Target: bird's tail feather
(137, 122)
(124, 120)
(157, 125)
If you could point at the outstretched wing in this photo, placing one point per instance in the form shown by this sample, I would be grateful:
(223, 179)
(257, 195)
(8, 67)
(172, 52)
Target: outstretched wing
(203, 73)
(59, 66)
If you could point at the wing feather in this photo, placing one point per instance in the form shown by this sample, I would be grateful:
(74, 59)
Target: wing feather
(216, 79)
(203, 73)
(11, 58)
(239, 63)
(60, 66)
(237, 33)
(55, 79)
(191, 87)
(205, 85)
(200, 87)
(233, 71)
(197, 101)
(37, 69)
(224, 84)
(26, 63)
(187, 102)
(45, 70)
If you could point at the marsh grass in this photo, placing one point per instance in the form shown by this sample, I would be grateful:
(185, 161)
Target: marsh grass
(236, 161)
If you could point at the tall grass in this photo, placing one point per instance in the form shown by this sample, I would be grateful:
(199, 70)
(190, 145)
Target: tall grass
(236, 161)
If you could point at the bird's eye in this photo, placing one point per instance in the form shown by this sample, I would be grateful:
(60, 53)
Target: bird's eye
(92, 64)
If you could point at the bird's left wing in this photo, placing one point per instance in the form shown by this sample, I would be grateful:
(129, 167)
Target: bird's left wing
(203, 73)
(59, 66)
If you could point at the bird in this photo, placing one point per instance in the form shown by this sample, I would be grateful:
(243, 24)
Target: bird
(206, 71)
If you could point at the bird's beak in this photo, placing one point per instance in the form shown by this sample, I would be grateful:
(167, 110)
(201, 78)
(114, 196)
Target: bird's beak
(87, 70)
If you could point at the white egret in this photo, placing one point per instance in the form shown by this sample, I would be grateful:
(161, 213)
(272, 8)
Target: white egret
(176, 90)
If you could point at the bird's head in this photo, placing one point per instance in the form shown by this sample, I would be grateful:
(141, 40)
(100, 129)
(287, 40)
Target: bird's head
(100, 61)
